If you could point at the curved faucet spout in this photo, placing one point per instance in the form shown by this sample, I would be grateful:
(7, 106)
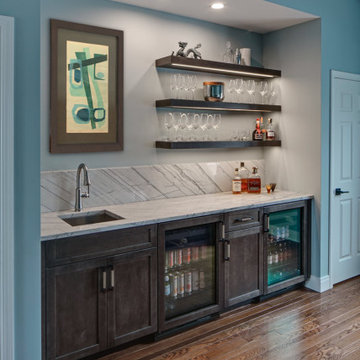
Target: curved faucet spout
(78, 194)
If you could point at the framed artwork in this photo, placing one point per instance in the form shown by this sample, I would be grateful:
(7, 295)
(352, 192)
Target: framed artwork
(86, 88)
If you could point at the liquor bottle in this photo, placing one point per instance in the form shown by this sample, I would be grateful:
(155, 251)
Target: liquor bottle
(167, 284)
(257, 135)
(244, 176)
(236, 183)
(270, 133)
(262, 128)
(254, 182)
(173, 285)
(181, 284)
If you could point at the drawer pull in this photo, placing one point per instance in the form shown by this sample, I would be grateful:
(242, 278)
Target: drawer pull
(244, 219)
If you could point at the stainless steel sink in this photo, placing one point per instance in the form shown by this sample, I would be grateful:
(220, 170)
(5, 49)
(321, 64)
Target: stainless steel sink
(94, 217)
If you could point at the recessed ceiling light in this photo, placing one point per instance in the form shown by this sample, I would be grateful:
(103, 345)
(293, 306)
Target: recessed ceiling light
(217, 5)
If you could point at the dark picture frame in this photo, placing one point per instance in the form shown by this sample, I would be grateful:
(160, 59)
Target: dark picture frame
(86, 92)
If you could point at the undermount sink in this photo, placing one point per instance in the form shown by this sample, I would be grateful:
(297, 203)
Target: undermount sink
(94, 217)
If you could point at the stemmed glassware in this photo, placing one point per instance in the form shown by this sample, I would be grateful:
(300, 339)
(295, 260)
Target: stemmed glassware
(240, 84)
(263, 90)
(250, 88)
(272, 93)
(232, 90)
(186, 126)
(183, 86)
(193, 85)
(168, 125)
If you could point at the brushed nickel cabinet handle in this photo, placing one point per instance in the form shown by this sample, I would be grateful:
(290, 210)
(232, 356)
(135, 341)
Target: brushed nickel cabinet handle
(112, 279)
(104, 279)
(227, 250)
(244, 219)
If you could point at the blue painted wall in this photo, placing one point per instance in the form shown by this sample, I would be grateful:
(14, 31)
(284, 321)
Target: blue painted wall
(340, 31)
(27, 176)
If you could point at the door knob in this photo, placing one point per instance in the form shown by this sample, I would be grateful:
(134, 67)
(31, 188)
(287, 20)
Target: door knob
(338, 191)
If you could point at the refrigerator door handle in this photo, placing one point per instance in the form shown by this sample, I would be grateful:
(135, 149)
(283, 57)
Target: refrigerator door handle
(266, 223)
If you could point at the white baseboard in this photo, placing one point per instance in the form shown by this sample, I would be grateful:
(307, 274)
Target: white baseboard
(319, 284)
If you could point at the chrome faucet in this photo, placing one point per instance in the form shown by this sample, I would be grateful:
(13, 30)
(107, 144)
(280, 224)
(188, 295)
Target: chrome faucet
(78, 194)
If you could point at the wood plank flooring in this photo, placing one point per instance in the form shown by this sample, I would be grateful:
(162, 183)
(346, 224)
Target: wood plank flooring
(300, 324)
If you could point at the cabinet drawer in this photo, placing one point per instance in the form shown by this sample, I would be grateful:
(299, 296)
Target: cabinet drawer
(63, 251)
(242, 219)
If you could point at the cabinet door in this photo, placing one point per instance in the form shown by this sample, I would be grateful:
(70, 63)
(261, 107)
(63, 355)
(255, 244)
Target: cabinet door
(132, 304)
(243, 265)
(75, 310)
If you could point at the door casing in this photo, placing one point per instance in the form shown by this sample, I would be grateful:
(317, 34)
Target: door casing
(6, 188)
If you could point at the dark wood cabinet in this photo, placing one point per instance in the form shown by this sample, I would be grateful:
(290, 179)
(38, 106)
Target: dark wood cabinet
(132, 301)
(101, 301)
(243, 266)
(75, 310)
(106, 289)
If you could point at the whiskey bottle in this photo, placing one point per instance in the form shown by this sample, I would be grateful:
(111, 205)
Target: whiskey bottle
(244, 176)
(270, 133)
(236, 183)
(262, 128)
(254, 182)
(257, 134)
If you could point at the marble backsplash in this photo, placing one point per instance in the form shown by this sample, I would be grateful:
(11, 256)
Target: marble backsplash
(122, 185)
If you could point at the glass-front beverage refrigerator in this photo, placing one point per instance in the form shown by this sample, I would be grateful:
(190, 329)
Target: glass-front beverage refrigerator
(286, 232)
(188, 270)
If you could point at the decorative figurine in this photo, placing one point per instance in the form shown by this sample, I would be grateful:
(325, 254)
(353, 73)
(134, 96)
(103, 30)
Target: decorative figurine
(194, 51)
(182, 46)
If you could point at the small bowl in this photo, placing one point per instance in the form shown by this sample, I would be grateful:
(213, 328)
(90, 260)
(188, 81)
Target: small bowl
(273, 186)
(213, 91)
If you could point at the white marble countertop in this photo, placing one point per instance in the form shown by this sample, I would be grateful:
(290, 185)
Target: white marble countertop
(157, 211)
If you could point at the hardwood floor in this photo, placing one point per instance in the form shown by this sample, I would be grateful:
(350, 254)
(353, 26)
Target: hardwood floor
(297, 325)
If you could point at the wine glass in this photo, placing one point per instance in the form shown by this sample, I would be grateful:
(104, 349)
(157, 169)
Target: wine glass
(193, 85)
(272, 93)
(195, 125)
(210, 125)
(168, 125)
(181, 86)
(263, 90)
(189, 126)
(203, 125)
(174, 88)
(250, 88)
(216, 124)
(232, 90)
(182, 126)
(239, 89)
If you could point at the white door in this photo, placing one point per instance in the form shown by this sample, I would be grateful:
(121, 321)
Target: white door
(345, 177)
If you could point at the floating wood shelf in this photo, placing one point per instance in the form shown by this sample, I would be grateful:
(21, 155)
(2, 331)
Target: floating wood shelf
(215, 67)
(214, 144)
(215, 106)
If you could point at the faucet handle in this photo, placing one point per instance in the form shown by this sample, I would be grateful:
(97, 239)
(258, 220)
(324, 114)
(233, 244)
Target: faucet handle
(85, 195)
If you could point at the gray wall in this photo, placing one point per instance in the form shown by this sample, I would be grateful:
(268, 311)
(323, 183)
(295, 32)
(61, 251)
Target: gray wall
(148, 35)
(296, 166)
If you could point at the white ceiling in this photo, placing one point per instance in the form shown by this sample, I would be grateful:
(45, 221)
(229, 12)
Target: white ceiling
(253, 15)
